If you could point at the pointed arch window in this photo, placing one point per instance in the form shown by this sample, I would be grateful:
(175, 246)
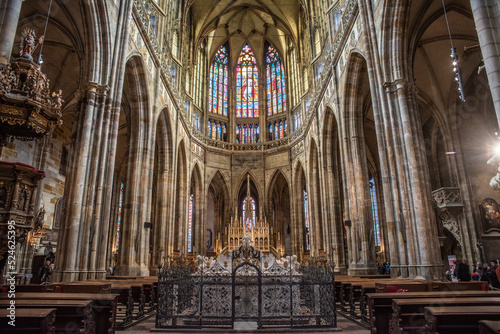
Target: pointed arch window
(218, 94)
(190, 224)
(376, 225)
(253, 216)
(306, 220)
(120, 205)
(199, 76)
(247, 88)
(294, 75)
(276, 93)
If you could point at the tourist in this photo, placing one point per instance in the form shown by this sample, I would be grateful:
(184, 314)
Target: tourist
(462, 271)
(492, 275)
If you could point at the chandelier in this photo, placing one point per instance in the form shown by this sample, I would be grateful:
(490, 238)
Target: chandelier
(27, 108)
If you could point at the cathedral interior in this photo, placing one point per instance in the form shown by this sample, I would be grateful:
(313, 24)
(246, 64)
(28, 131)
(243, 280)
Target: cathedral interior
(340, 129)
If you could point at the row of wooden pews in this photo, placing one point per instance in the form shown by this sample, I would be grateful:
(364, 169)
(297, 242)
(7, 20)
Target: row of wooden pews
(136, 297)
(92, 306)
(429, 307)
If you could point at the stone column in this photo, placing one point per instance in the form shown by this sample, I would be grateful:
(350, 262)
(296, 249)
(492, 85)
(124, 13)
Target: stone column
(487, 19)
(9, 11)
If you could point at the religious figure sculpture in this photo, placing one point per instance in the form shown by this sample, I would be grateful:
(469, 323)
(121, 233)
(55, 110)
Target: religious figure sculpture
(40, 218)
(28, 44)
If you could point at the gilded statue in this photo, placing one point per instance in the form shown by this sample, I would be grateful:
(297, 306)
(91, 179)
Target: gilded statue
(28, 44)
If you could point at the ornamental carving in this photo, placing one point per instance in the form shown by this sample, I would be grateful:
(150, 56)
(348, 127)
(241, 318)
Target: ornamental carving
(18, 184)
(28, 110)
(448, 197)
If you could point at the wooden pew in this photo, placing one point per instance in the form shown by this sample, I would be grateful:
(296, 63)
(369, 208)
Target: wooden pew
(380, 304)
(408, 314)
(29, 321)
(357, 300)
(71, 315)
(26, 288)
(458, 319)
(458, 286)
(84, 287)
(410, 286)
(103, 305)
(489, 327)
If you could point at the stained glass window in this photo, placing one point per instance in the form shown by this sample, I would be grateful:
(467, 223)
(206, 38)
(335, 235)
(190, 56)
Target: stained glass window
(376, 226)
(306, 221)
(276, 93)
(190, 224)
(253, 218)
(317, 42)
(199, 76)
(247, 88)
(218, 94)
(120, 203)
(282, 133)
(294, 74)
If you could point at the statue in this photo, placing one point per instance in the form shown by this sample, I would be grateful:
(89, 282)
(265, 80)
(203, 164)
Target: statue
(39, 219)
(28, 44)
(58, 101)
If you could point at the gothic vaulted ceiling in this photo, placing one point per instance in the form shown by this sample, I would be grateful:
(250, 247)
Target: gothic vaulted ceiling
(240, 21)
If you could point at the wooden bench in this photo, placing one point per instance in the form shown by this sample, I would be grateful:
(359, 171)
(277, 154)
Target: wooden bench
(357, 300)
(458, 319)
(410, 286)
(380, 304)
(408, 314)
(71, 315)
(489, 327)
(84, 287)
(26, 288)
(29, 321)
(103, 305)
(458, 286)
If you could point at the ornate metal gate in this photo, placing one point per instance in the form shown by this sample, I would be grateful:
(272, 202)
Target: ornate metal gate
(246, 285)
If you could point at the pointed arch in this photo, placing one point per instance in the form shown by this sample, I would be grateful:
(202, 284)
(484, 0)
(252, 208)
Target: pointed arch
(254, 193)
(218, 215)
(163, 193)
(279, 212)
(315, 200)
(179, 222)
(299, 231)
(218, 95)
(195, 221)
(275, 81)
(247, 84)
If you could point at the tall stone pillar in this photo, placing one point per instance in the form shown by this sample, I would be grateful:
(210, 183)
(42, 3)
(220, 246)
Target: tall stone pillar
(487, 18)
(9, 14)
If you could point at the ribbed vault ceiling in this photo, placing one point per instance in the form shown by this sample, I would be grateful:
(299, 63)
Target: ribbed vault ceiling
(241, 21)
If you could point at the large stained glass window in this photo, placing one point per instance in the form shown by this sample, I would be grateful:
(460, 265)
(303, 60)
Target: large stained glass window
(218, 94)
(120, 205)
(376, 225)
(306, 220)
(190, 224)
(247, 88)
(276, 94)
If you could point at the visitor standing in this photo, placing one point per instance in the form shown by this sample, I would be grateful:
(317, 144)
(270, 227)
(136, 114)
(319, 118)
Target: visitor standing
(462, 272)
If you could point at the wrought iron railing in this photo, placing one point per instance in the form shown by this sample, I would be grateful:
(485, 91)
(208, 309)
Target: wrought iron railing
(246, 285)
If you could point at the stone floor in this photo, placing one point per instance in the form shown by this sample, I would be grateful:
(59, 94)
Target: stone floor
(343, 324)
